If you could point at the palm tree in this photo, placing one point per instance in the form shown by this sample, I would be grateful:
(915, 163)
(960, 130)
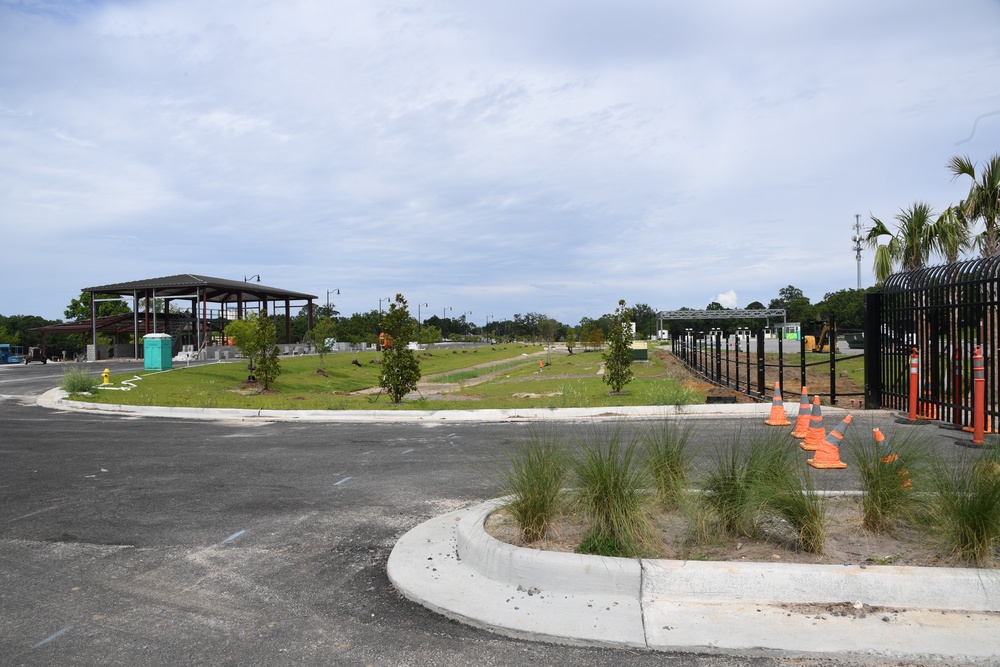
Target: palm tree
(983, 201)
(951, 234)
(911, 245)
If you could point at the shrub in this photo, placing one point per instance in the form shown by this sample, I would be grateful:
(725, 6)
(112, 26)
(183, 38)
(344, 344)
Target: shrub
(740, 476)
(886, 473)
(665, 447)
(793, 497)
(966, 509)
(612, 496)
(78, 381)
(534, 473)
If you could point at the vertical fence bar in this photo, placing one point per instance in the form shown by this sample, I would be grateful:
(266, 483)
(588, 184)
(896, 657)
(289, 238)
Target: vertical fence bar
(718, 357)
(781, 359)
(833, 359)
(736, 346)
(802, 360)
(760, 363)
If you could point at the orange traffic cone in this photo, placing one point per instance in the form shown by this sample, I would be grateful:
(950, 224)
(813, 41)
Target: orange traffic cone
(805, 412)
(892, 458)
(828, 454)
(778, 417)
(816, 432)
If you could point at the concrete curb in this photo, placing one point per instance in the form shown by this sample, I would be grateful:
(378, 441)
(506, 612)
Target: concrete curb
(57, 399)
(940, 615)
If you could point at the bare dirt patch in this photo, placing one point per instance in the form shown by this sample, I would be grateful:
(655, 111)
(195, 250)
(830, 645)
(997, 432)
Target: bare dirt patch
(846, 543)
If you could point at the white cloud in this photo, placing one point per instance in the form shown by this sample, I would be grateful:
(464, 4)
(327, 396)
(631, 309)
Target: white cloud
(727, 299)
(499, 158)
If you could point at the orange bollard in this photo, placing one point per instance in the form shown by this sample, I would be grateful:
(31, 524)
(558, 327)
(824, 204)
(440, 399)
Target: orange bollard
(978, 397)
(777, 417)
(827, 456)
(914, 382)
(805, 412)
(816, 433)
(541, 364)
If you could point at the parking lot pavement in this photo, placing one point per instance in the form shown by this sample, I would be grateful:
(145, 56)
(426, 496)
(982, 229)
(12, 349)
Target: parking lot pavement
(128, 540)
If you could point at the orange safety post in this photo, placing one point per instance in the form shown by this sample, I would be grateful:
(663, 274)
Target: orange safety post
(978, 396)
(777, 416)
(914, 383)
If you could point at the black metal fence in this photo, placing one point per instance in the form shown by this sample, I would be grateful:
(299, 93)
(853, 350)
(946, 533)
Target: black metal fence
(944, 313)
(741, 362)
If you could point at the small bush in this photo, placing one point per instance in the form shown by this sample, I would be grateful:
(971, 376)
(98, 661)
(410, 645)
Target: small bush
(737, 484)
(887, 474)
(533, 473)
(966, 510)
(78, 381)
(612, 495)
(793, 497)
(665, 446)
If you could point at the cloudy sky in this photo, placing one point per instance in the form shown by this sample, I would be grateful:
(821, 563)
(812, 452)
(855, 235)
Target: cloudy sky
(492, 158)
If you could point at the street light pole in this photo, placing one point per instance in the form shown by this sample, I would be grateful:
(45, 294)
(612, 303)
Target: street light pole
(418, 314)
(328, 293)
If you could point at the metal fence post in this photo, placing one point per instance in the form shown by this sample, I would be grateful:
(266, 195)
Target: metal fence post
(760, 363)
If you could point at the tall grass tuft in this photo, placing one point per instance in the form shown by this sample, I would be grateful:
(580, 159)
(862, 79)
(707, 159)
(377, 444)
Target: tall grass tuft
(78, 381)
(533, 474)
(736, 483)
(665, 449)
(966, 509)
(612, 495)
(887, 472)
(791, 494)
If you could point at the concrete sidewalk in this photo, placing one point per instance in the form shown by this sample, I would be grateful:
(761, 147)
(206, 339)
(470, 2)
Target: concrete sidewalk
(878, 613)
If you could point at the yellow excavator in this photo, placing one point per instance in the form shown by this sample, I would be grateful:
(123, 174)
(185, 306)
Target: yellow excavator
(823, 342)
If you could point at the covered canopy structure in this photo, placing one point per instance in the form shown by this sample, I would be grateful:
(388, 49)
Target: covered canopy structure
(212, 301)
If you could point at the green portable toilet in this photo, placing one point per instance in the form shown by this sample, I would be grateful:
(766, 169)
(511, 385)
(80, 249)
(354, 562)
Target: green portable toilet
(157, 350)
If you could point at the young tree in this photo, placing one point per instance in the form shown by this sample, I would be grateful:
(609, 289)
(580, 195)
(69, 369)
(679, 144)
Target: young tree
(570, 339)
(254, 339)
(322, 333)
(400, 368)
(618, 356)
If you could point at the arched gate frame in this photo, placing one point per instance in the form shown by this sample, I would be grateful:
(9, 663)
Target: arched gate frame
(943, 312)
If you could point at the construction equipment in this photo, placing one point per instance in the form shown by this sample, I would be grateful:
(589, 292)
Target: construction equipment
(821, 343)
(35, 354)
(11, 354)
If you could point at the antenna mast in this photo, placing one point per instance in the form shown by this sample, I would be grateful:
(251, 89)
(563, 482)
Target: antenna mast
(857, 238)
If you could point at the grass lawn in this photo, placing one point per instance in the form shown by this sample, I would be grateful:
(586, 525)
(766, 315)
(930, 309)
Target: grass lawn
(500, 376)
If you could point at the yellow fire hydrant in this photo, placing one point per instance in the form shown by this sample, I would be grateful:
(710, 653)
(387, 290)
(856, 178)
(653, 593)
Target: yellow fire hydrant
(106, 376)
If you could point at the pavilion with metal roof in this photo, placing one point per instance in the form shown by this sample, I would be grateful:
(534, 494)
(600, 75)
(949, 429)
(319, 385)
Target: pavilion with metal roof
(200, 292)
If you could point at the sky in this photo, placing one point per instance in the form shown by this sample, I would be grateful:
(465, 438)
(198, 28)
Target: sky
(481, 158)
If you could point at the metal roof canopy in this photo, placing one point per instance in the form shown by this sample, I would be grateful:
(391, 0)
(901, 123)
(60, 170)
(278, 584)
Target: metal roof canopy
(720, 314)
(197, 289)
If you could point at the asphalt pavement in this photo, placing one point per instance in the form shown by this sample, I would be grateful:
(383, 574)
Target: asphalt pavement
(134, 539)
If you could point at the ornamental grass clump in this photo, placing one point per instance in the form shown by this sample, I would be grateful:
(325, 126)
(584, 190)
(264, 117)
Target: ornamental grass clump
(791, 495)
(886, 467)
(533, 475)
(665, 449)
(78, 381)
(736, 483)
(758, 479)
(965, 511)
(612, 495)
